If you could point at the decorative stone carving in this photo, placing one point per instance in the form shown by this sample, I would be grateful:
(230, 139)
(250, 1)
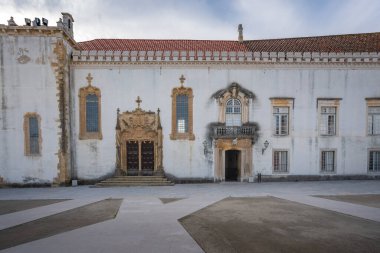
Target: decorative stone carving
(22, 57)
(139, 126)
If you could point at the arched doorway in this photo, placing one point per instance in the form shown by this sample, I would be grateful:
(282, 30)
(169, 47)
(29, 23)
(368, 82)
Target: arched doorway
(232, 165)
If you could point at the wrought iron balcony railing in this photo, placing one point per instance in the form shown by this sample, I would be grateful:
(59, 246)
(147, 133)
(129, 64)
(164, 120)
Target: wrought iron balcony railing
(220, 131)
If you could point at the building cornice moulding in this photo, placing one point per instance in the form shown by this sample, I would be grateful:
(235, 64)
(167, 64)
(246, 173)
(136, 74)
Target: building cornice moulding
(216, 57)
(51, 31)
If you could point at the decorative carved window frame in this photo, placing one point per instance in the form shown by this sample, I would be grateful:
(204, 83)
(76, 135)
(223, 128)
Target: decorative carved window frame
(83, 92)
(283, 102)
(187, 91)
(234, 91)
(27, 136)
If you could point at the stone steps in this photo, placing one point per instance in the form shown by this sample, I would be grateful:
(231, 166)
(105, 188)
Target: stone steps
(135, 181)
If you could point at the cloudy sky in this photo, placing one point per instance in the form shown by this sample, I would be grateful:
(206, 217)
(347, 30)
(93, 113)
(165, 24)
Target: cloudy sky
(201, 19)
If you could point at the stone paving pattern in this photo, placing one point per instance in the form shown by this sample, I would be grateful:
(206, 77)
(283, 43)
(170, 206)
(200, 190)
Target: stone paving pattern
(145, 224)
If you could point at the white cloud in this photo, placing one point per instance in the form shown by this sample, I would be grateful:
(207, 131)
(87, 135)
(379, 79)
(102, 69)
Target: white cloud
(201, 19)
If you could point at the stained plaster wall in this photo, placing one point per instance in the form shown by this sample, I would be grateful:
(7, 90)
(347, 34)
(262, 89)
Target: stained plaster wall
(28, 84)
(120, 85)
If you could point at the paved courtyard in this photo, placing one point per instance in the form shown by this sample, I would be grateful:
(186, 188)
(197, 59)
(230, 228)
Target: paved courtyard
(158, 219)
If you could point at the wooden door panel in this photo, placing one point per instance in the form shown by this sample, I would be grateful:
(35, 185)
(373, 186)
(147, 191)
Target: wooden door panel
(132, 157)
(147, 156)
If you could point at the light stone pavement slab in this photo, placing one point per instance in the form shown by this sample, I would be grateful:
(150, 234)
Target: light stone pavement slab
(145, 224)
(142, 225)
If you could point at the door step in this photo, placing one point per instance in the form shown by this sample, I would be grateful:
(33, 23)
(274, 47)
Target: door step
(135, 181)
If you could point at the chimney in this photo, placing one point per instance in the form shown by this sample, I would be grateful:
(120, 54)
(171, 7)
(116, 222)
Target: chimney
(67, 23)
(240, 30)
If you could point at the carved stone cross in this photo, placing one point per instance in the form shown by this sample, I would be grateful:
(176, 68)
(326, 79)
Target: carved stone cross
(138, 101)
(89, 79)
(182, 79)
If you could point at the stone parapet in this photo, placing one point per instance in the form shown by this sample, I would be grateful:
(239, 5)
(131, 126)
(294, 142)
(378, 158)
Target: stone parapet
(222, 57)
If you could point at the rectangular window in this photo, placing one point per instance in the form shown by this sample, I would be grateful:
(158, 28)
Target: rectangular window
(34, 146)
(280, 161)
(182, 112)
(328, 120)
(281, 120)
(374, 161)
(328, 161)
(92, 113)
(374, 120)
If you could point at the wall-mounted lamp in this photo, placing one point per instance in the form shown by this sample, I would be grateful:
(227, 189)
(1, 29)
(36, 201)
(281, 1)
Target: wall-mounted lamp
(266, 144)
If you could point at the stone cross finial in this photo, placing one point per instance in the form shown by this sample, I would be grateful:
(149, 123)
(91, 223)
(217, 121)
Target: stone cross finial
(89, 79)
(138, 101)
(182, 79)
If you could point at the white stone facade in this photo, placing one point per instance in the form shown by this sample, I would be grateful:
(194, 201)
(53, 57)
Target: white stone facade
(32, 70)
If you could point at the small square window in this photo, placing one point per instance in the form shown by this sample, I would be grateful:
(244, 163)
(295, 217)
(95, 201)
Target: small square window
(328, 161)
(374, 161)
(280, 161)
(374, 120)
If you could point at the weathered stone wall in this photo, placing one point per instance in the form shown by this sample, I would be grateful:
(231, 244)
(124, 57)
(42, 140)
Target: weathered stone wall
(28, 82)
(121, 84)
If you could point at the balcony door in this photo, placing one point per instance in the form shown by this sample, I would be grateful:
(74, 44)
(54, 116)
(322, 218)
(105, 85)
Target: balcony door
(233, 112)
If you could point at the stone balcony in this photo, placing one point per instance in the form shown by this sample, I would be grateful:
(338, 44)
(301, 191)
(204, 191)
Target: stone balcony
(246, 131)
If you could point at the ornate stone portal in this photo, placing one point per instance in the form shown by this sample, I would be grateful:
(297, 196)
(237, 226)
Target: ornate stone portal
(233, 144)
(138, 142)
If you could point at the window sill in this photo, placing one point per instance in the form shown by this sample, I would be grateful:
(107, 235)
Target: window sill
(182, 136)
(91, 136)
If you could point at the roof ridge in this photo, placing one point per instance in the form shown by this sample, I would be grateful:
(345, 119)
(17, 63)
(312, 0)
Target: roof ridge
(321, 36)
(157, 40)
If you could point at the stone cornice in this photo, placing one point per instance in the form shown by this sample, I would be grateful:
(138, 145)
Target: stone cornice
(52, 31)
(162, 57)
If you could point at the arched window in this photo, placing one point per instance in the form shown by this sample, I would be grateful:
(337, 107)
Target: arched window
(32, 133)
(233, 112)
(90, 112)
(182, 113)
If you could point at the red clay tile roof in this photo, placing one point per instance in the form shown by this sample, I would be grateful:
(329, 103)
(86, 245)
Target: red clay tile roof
(365, 42)
(161, 45)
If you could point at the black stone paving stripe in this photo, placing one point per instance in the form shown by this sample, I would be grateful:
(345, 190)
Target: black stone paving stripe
(11, 206)
(268, 224)
(58, 223)
(169, 200)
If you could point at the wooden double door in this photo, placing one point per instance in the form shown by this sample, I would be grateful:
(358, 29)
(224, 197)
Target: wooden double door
(140, 158)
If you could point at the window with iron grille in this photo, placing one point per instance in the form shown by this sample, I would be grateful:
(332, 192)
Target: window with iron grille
(34, 146)
(328, 161)
(374, 161)
(233, 112)
(182, 113)
(280, 161)
(374, 120)
(328, 120)
(281, 120)
(92, 113)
